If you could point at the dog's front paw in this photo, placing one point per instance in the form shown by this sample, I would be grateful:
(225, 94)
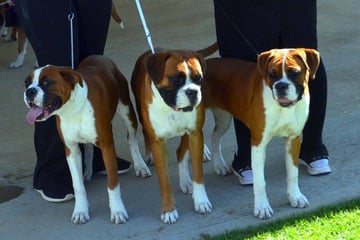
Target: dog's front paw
(170, 217)
(80, 216)
(263, 211)
(299, 201)
(186, 186)
(201, 201)
(119, 216)
(15, 65)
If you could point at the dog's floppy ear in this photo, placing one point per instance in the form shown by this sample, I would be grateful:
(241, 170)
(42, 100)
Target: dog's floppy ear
(155, 65)
(312, 61)
(263, 61)
(71, 75)
(201, 61)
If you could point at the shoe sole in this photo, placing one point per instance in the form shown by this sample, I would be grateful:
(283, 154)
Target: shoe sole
(67, 197)
(315, 171)
(243, 181)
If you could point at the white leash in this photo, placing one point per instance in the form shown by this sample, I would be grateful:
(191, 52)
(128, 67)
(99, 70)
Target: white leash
(146, 29)
(70, 18)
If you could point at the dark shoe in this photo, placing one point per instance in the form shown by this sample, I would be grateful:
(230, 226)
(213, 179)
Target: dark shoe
(124, 166)
(245, 175)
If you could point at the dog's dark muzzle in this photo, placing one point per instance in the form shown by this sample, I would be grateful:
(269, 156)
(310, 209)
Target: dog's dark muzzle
(31, 93)
(192, 95)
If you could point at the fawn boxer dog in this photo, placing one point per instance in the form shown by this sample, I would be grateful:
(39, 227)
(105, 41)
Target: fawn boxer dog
(271, 97)
(167, 90)
(84, 102)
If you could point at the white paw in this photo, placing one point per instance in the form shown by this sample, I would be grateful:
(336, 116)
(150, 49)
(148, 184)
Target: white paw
(222, 169)
(117, 208)
(80, 216)
(170, 217)
(119, 216)
(263, 211)
(299, 201)
(207, 154)
(201, 201)
(141, 170)
(15, 65)
(186, 186)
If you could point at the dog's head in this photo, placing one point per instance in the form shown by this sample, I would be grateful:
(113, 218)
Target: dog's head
(287, 72)
(177, 76)
(48, 89)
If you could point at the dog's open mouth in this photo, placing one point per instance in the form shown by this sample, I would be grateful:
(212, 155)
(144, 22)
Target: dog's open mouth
(39, 113)
(285, 102)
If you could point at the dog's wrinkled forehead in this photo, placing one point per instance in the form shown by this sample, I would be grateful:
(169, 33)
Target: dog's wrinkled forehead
(286, 63)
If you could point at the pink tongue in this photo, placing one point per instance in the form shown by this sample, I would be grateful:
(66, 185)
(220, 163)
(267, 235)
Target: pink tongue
(283, 100)
(33, 114)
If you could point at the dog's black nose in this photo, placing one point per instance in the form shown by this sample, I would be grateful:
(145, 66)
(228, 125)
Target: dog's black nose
(31, 93)
(281, 86)
(192, 95)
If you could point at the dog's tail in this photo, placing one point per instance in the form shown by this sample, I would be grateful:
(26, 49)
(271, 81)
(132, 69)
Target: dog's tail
(115, 16)
(205, 52)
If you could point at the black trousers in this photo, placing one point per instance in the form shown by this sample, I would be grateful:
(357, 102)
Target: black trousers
(47, 27)
(245, 28)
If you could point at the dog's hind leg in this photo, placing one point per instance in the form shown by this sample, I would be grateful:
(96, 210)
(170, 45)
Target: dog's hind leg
(128, 116)
(22, 48)
(182, 153)
(88, 159)
(222, 121)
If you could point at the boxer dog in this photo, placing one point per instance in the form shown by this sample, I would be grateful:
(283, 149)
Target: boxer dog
(271, 97)
(7, 5)
(84, 102)
(166, 86)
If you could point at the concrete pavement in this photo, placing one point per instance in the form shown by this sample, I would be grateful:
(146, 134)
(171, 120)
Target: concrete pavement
(181, 25)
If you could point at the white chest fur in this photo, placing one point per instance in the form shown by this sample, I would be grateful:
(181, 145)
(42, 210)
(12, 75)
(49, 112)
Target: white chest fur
(284, 121)
(167, 122)
(77, 117)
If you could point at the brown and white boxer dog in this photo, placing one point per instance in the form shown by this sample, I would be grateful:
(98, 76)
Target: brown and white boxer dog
(85, 101)
(167, 89)
(271, 97)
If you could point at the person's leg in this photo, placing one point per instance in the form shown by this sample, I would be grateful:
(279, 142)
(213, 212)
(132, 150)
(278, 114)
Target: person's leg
(242, 33)
(313, 151)
(51, 175)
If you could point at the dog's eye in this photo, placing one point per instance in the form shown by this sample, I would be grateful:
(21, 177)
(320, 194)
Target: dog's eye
(293, 74)
(272, 76)
(178, 79)
(197, 79)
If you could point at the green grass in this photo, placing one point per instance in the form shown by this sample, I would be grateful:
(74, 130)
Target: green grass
(340, 221)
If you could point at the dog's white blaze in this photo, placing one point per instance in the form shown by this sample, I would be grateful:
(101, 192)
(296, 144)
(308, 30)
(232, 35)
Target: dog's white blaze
(291, 91)
(38, 100)
(284, 121)
(166, 122)
(182, 99)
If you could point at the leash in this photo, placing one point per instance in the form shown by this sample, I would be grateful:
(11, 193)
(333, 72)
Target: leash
(235, 27)
(71, 18)
(146, 29)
